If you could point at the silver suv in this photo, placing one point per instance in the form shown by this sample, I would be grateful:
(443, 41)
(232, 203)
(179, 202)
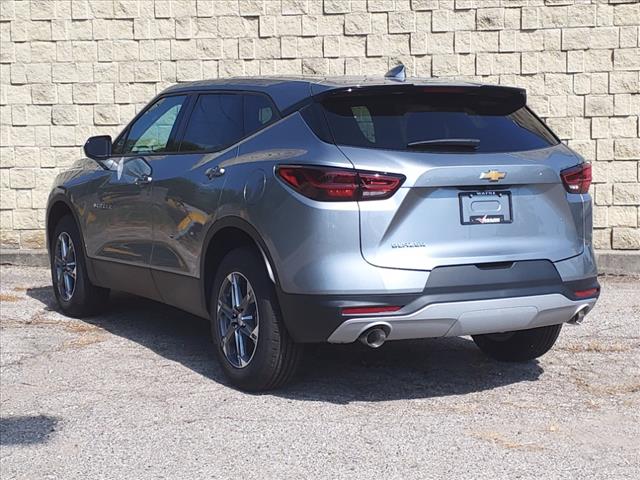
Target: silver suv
(288, 211)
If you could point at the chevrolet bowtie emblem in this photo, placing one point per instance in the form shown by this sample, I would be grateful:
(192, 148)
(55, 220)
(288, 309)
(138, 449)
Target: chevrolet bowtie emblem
(492, 175)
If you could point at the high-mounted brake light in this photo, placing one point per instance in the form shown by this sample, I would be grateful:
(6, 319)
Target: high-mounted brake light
(339, 184)
(577, 179)
(445, 89)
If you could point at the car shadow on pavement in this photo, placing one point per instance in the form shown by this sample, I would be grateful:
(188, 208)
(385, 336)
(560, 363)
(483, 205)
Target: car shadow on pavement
(333, 373)
(26, 430)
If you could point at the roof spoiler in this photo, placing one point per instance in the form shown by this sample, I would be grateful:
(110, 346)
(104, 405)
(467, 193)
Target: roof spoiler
(482, 99)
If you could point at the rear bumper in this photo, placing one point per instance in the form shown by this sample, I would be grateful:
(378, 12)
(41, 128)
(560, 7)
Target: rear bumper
(476, 317)
(459, 300)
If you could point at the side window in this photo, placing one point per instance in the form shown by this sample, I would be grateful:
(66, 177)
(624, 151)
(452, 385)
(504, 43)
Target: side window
(151, 132)
(258, 112)
(215, 123)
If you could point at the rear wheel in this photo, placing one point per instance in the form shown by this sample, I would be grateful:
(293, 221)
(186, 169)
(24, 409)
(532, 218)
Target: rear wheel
(252, 343)
(76, 295)
(518, 346)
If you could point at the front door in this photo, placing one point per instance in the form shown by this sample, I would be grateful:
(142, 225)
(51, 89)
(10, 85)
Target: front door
(118, 225)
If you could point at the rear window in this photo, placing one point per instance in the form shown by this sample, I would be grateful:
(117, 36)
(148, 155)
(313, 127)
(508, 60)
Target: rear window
(433, 122)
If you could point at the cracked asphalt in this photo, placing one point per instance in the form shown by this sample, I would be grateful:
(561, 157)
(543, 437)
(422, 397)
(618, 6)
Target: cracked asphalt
(136, 393)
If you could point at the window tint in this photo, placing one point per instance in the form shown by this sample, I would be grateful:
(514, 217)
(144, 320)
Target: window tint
(215, 123)
(258, 112)
(394, 121)
(151, 132)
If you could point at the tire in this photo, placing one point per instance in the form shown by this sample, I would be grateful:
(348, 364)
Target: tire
(518, 346)
(271, 359)
(78, 298)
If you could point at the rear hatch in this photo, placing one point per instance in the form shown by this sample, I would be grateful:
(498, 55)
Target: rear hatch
(482, 175)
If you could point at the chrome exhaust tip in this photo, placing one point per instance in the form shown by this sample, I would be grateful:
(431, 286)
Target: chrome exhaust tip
(579, 316)
(374, 337)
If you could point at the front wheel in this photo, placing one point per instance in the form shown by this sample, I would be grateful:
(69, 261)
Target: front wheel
(518, 346)
(76, 295)
(252, 343)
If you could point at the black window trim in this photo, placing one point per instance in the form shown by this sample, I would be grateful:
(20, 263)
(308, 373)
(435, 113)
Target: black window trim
(177, 133)
(551, 132)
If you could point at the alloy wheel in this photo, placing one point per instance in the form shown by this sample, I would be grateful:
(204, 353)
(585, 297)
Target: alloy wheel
(65, 266)
(237, 317)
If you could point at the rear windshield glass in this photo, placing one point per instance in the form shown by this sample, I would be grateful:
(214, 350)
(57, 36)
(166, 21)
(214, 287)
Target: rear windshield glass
(434, 123)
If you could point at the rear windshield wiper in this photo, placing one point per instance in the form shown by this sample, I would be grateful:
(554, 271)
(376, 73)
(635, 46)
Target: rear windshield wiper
(459, 144)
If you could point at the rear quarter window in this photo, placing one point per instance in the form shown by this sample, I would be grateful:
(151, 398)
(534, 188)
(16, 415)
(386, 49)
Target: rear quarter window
(258, 113)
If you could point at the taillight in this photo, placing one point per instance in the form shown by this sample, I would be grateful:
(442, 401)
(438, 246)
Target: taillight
(577, 179)
(339, 184)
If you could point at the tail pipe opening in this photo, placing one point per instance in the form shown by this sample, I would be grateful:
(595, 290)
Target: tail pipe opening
(373, 337)
(579, 316)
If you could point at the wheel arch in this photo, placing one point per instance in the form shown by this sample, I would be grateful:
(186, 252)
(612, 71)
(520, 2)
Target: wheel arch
(59, 206)
(225, 235)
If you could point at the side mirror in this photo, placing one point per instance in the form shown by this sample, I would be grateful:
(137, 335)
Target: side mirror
(99, 147)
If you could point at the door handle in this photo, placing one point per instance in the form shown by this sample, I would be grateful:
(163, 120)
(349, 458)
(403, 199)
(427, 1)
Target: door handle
(213, 172)
(143, 180)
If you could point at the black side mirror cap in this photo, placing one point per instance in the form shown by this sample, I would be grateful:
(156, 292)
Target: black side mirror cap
(98, 147)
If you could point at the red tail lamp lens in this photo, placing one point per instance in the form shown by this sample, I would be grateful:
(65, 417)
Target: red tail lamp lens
(378, 185)
(590, 292)
(339, 184)
(369, 310)
(577, 179)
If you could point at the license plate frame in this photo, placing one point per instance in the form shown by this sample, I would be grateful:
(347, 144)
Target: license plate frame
(485, 207)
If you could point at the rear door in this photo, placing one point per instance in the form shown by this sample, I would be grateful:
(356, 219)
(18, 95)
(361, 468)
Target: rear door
(187, 185)
(186, 188)
(482, 177)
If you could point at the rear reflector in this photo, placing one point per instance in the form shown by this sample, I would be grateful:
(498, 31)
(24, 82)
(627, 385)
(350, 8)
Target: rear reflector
(331, 184)
(577, 179)
(591, 292)
(369, 310)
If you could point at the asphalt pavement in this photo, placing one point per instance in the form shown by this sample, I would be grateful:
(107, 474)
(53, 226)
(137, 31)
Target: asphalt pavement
(136, 393)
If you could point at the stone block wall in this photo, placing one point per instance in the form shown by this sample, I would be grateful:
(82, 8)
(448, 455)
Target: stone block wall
(70, 69)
